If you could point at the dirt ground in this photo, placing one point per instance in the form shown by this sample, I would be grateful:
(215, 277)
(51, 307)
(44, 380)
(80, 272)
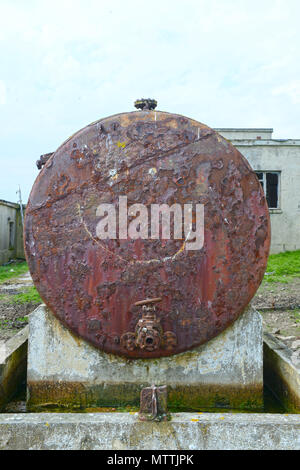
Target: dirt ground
(278, 303)
(278, 296)
(13, 315)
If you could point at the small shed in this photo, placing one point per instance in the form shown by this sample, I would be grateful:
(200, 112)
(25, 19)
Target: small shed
(11, 232)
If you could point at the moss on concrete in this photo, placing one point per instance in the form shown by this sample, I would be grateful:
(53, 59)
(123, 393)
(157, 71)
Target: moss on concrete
(189, 397)
(75, 395)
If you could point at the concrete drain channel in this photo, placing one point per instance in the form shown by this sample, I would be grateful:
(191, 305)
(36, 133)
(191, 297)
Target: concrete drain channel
(277, 427)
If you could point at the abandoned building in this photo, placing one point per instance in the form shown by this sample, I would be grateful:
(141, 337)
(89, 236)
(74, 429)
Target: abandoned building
(11, 232)
(277, 165)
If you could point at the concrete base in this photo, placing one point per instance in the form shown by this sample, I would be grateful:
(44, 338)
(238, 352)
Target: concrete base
(65, 371)
(13, 362)
(122, 431)
(282, 373)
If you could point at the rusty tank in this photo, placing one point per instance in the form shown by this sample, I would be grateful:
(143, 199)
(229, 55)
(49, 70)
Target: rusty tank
(139, 295)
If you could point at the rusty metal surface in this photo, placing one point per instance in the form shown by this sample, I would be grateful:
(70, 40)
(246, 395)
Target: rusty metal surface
(97, 287)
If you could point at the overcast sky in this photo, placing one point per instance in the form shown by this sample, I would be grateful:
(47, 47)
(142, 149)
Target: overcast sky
(64, 64)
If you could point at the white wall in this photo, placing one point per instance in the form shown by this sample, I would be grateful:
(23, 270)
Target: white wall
(6, 212)
(284, 157)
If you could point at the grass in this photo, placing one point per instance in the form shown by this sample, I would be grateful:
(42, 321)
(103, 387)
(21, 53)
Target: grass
(12, 270)
(7, 323)
(283, 267)
(296, 315)
(29, 295)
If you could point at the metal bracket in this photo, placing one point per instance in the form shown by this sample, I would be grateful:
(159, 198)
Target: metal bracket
(43, 159)
(145, 104)
(153, 405)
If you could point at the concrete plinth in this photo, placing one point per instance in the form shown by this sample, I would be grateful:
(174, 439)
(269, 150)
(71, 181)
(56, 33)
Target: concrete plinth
(65, 371)
(123, 431)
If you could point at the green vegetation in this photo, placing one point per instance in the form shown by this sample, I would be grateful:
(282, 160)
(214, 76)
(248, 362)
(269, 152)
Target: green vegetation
(11, 323)
(12, 270)
(29, 295)
(282, 267)
(296, 315)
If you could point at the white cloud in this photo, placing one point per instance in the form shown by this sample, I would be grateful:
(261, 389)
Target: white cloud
(67, 63)
(291, 90)
(2, 92)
